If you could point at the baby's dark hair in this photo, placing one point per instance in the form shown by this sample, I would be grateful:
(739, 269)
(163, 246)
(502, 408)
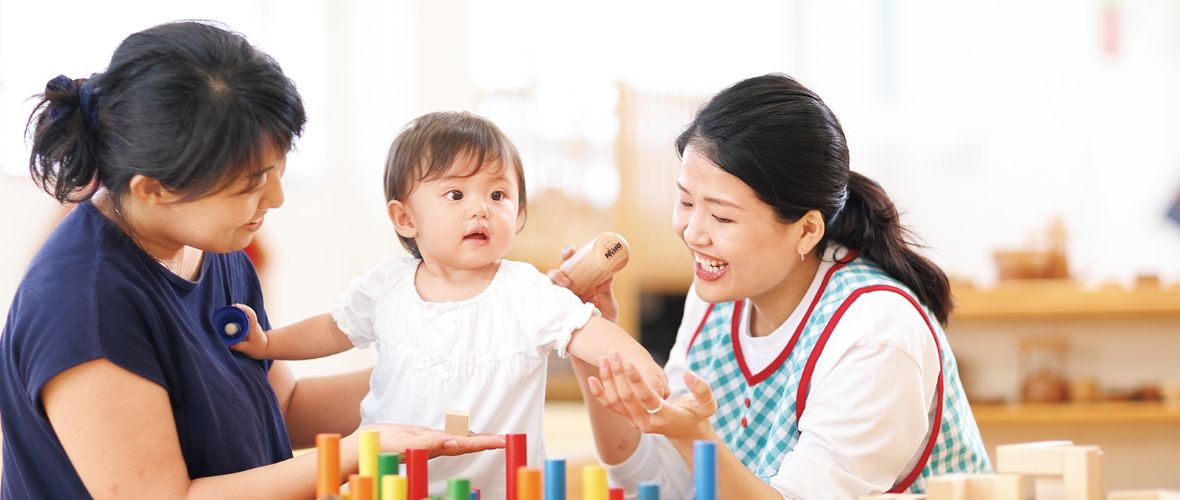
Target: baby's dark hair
(430, 146)
(190, 104)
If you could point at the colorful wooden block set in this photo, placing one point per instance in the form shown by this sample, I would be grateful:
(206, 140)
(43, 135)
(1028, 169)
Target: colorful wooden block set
(379, 477)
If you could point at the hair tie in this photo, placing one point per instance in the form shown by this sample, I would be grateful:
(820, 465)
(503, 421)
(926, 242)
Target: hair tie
(84, 93)
(60, 84)
(839, 205)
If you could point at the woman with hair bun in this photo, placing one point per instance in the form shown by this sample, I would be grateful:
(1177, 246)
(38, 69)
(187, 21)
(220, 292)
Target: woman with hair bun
(113, 380)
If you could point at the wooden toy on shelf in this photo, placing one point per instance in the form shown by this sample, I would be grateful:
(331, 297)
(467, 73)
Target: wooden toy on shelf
(596, 261)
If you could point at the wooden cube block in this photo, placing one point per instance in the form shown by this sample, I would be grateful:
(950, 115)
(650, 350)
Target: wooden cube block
(457, 422)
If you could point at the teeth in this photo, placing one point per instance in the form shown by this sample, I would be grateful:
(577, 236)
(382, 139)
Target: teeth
(713, 266)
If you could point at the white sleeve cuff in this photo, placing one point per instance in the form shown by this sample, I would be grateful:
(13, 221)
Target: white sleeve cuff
(576, 321)
(654, 460)
(343, 318)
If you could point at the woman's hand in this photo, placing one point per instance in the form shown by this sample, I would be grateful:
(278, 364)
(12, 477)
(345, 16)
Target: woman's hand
(601, 296)
(621, 388)
(398, 438)
(256, 341)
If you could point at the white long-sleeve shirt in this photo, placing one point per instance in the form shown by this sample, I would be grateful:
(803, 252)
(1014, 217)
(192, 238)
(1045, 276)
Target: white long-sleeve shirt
(868, 412)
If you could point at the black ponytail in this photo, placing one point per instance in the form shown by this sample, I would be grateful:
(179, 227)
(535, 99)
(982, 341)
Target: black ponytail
(63, 161)
(870, 224)
(780, 139)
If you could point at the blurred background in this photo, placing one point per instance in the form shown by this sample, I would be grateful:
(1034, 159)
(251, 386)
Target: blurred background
(1033, 145)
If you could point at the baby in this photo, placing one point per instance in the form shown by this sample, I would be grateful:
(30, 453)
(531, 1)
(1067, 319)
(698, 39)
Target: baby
(457, 326)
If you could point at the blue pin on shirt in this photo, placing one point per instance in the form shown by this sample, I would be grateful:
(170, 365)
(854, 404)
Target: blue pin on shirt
(231, 324)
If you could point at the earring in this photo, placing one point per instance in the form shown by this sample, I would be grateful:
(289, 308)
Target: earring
(801, 254)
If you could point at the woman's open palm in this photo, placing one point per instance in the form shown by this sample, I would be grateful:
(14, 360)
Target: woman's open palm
(620, 387)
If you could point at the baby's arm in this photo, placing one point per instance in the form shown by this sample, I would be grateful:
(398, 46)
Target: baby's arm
(314, 337)
(600, 337)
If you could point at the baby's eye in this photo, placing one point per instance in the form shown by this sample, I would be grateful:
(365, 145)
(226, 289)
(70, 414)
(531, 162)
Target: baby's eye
(454, 195)
(498, 195)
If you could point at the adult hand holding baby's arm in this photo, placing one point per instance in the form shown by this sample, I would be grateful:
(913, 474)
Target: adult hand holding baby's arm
(256, 342)
(602, 296)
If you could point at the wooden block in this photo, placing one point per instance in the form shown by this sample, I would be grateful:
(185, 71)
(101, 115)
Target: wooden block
(1083, 473)
(1079, 467)
(1044, 458)
(594, 263)
(976, 487)
(457, 422)
(948, 487)
(327, 465)
(1144, 495)
(999, 486)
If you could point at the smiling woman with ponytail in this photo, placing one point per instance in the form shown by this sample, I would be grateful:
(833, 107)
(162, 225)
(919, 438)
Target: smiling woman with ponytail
(811, 349)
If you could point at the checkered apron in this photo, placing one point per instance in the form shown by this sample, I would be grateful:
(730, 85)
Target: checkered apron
(758, 413)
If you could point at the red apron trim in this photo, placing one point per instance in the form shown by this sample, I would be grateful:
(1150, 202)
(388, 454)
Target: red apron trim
(699, 327)
(754, 379)
(805, 380)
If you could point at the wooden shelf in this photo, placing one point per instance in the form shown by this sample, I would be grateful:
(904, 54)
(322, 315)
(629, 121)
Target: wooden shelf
(1129, 412)
(1056, 299)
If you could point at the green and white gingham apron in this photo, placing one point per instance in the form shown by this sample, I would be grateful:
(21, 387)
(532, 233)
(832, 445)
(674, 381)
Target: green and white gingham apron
(758, 413)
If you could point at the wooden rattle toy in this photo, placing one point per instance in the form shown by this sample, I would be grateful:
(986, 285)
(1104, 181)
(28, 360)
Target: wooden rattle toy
(596, 262)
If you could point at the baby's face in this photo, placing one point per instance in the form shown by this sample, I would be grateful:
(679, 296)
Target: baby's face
(466, 221)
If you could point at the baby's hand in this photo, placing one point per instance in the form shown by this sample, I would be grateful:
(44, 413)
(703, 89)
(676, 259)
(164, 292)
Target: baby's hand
(256, 340)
